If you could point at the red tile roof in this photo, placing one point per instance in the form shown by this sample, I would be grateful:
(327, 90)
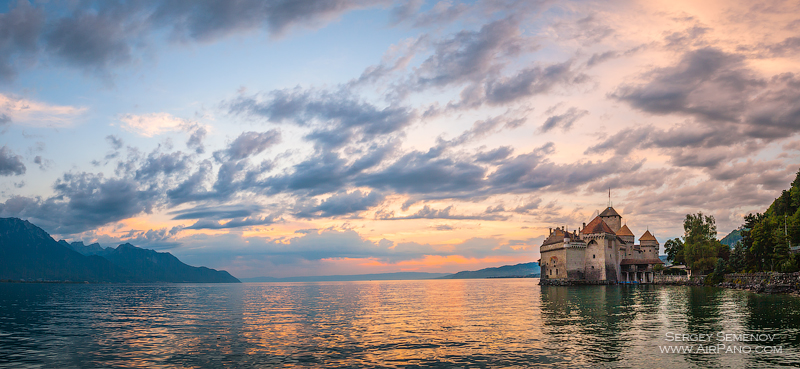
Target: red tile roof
(597, 225)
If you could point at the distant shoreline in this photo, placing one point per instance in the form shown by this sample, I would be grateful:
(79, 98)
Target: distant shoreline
(49, 282)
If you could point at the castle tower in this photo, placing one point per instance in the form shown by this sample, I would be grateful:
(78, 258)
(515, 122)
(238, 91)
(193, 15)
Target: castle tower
(600, 261)
(612, 218)
(626, 235)
(649, 245)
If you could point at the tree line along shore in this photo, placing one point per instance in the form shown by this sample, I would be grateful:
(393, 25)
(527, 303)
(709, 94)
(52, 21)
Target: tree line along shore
(762, 255)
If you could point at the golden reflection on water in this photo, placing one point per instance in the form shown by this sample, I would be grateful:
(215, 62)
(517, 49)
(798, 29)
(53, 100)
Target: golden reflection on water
(389, 322)
(435, 323)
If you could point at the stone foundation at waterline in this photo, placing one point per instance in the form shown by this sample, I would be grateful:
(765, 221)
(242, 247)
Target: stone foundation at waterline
(572, 282)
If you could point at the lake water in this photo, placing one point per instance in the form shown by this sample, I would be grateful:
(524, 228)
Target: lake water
(434, 323)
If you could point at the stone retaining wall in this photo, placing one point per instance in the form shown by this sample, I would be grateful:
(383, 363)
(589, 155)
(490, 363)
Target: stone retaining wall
(767, 282)
(670, 279)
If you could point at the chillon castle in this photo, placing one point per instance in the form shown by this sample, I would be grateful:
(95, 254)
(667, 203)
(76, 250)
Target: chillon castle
(602, 251)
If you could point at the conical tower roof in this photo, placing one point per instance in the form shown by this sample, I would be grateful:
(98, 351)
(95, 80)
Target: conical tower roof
(624, 231)
(647, 236)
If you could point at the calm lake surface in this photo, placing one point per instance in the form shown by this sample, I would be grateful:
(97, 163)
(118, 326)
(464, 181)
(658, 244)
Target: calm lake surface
(435, 323)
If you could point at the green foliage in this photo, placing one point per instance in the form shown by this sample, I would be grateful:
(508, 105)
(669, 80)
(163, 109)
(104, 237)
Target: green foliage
(789, 265)
(672, 271)
(718, 274)
(768, 237)
(674, 250)
(658, 268)
(737, 260)
(701, 249)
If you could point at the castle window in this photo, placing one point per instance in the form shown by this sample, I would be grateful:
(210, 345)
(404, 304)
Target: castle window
(556, 272)
(592, 266)
(593, 256)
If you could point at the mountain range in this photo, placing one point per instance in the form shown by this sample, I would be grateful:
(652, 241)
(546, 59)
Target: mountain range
(507, 271)
(352, 277)
(28, 253)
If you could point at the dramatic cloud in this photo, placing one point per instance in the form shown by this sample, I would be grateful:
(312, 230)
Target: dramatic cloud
(251, 143)
(10, 164)
(116, 142)
(337, 118)
(430, 213)
(197, 133)
(233, 223)
(707, 83)
(210, 20)
(716, 88)
(167, 164)
(452, 132)
(83, 201)
(100, 37)
(20, 29)
(429, 175)
(94, 41)
(483, 128)
(563, 121)
(495, 155)
(471, 55)
(342, 203)
(216, 212)
(531, 81)
(533, 171)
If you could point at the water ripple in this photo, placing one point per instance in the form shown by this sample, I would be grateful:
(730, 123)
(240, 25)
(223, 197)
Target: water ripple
(386, 324)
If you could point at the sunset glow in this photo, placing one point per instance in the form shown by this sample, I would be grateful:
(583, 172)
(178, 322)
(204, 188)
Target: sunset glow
(357, 137)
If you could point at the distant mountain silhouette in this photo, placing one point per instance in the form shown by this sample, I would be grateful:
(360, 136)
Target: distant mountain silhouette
(28, 253)
(93, 249)
(519, 270)
(354, 277)
(732, 238)
(154, 266)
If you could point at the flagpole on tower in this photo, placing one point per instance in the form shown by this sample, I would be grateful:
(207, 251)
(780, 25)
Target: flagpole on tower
(609, 197)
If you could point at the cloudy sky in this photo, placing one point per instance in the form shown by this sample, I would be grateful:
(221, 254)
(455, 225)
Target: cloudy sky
(284, 138)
